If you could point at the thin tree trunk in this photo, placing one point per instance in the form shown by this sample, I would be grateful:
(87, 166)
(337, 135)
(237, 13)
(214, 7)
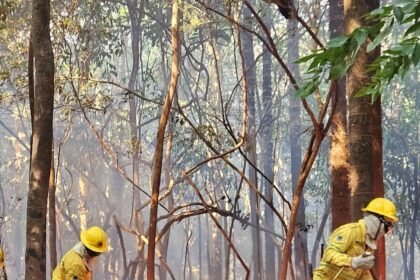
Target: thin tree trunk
(306, 166)
(82, 207)
(52, 242)
(164, 243)
(133, 12)
(300, 239)
(215, 240)
(157, 166)
(327, 210)
(42, 135)
(250, 72)
(267, 124)
(378, 183)
(413, 229)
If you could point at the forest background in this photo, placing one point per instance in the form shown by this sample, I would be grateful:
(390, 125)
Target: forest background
(204, 105)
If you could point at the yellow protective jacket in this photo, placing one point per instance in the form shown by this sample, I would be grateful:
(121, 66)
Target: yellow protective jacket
(73, 265)
(1, 258)
(345, 242)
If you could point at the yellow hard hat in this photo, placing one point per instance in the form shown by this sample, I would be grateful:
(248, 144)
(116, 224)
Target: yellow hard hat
(384, 207)
(95, 239)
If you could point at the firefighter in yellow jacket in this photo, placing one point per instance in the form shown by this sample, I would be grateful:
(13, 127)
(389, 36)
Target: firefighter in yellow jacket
(3, 275)
(1, 259)
(78, 262)
(349, 254)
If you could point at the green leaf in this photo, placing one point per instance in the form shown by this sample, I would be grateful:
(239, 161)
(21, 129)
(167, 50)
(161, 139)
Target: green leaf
(317, 62)
(306, 58)
(337, 42)
(367, 90)
(398, 13)
(417, 13)
(414, 28)
(390, 70)
(338, 71)
(308, 88)
(375, 29)
(360, 36)
(416, 54)
(407, 49)
(405, 66)
(380, 37)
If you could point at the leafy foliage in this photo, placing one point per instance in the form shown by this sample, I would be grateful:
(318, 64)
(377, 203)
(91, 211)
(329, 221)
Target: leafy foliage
(338, 56)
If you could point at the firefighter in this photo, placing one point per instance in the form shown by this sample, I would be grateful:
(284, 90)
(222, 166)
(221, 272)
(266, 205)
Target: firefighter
(3, 275)
(1, 259)
(2, 268)
(351, 247)
(78, 262)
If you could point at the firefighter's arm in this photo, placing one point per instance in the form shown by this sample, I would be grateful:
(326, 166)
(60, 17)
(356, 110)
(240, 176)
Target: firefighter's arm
(338, 244)
(76, 272)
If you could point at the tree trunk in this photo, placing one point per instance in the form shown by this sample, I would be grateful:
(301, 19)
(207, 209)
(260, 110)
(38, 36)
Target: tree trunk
(267, 123)
(42, 136)
(134, 14)
(250, 72)
(339, 154)
(52, 242)
(300, 239)
(83, 190)
(215, 238)
(378, 183)
(365, 132)
(164, 243)
(157, 164)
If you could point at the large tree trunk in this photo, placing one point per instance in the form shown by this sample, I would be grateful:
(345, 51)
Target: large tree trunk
(365, 136)
(42, 135)
(360, 117)
(157, 164)
(267, 123)
(250, 72)
(339, 154)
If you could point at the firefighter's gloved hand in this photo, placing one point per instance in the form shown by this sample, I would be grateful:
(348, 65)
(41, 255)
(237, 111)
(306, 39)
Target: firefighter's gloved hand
(363, 262)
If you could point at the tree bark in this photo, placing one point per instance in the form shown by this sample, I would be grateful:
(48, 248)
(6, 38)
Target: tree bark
(52, 242)
(42, 136)
(135, 130)
(267, 123)
(164, 243)
(339, 153)
(157, 166)
(365, 132)
(251, 150)
(300, 239)
(360, 117)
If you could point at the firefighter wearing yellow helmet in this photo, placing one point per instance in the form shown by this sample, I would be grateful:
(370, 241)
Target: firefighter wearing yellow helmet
(77, 263)
(349, 254)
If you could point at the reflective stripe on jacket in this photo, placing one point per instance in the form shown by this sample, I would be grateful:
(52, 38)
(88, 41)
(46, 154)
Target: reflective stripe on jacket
(73, 266)
(345, 242)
